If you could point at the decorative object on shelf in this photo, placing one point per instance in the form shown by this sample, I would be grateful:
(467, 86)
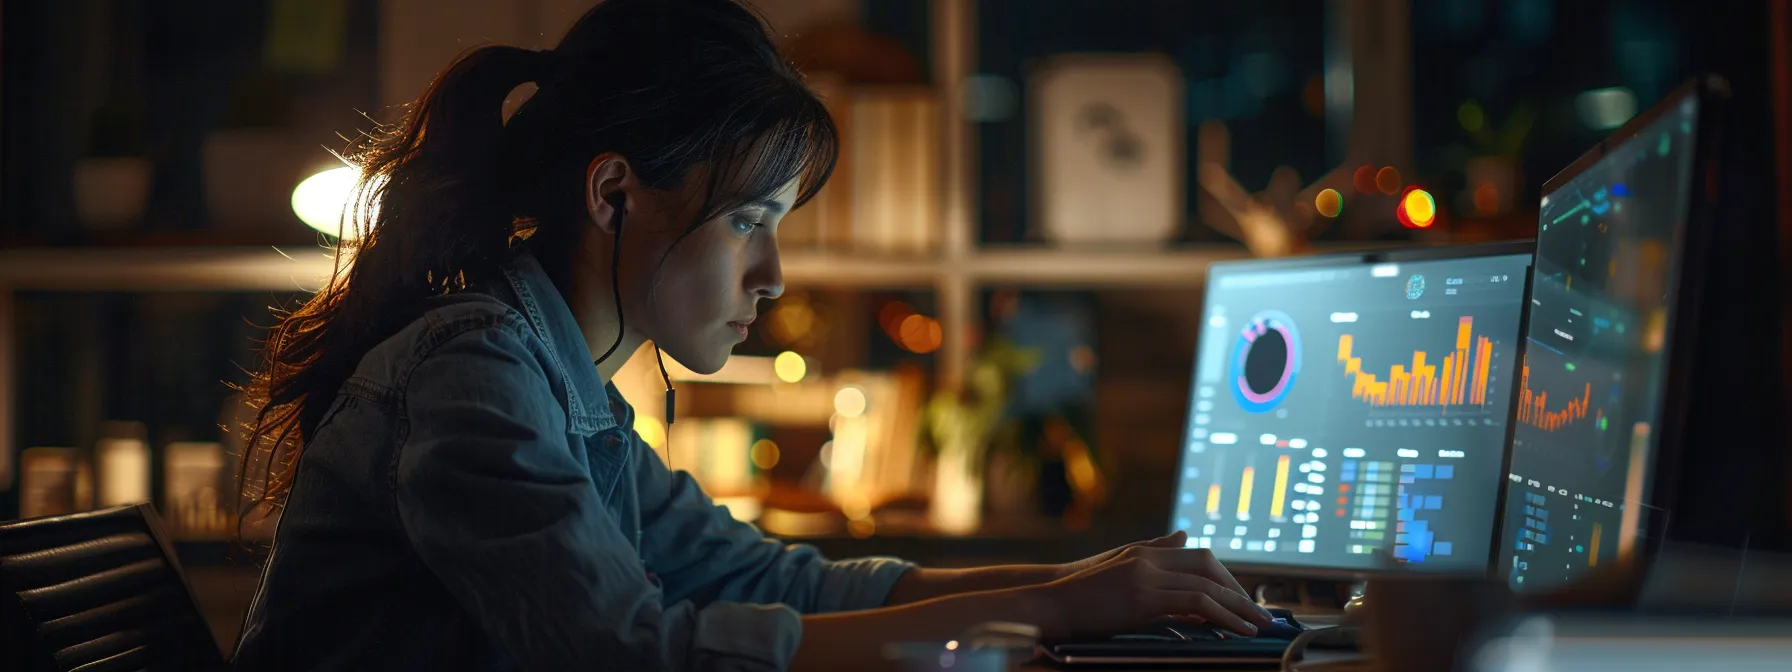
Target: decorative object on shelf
(193, 483)
(121, 463)
(892, 142)
(50, 482)
(1277, 222)
(962, 428)
(1494, 174)
(1050, 406)
(1108, 135)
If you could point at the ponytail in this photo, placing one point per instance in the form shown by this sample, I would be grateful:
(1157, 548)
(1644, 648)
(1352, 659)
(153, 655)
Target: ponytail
(429, 211)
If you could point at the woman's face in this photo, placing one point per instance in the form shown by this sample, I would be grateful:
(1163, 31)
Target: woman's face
(699, 303)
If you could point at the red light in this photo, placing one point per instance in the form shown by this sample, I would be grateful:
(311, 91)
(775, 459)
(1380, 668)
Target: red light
(1364, 179)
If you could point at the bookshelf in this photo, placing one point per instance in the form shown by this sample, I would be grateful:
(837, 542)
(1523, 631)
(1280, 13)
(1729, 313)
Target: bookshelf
(956, 280)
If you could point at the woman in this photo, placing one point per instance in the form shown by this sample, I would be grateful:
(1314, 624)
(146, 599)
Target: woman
(459, 486)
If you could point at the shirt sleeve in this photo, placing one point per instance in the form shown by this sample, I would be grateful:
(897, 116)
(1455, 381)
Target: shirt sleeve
(701, 553)
(499, 508)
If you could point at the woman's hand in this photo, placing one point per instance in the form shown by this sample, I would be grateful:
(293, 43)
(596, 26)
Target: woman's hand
(1137, 583)
(1177, 539)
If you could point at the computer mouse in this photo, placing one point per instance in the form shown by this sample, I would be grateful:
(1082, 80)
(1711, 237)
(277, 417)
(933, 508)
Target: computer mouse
(1280, 628)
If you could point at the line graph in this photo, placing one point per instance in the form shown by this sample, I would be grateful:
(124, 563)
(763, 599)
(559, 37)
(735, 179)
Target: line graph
(1533, 406)
(1461, 380)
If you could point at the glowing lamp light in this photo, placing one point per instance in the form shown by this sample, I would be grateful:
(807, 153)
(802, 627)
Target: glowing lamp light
(1417, 209)
(790, 367)
(320, 200)
(1329, 202)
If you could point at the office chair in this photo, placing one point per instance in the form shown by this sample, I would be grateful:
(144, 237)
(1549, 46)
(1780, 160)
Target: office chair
(98, 590)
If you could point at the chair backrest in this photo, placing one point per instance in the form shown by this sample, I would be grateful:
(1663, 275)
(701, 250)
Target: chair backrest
(99, 590)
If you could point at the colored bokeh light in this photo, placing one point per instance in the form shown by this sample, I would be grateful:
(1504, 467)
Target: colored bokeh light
(1417, 209)
(1387, 180)
(1329, 202)
(1487, 199)
(1364, 179)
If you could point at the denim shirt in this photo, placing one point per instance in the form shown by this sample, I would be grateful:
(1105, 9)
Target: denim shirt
(475, 499)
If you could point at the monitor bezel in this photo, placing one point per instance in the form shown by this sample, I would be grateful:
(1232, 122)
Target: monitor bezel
(1367, 257)
(1691, 240)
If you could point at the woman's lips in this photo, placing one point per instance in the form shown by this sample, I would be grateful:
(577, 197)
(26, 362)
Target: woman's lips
(741, 328)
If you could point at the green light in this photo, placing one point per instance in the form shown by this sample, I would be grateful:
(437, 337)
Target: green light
(1602, 423)
(1570, 366)
(1584, 219)
(1666, 144)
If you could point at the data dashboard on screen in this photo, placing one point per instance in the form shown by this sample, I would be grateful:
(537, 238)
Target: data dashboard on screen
(1352, 416)
(1590, 388)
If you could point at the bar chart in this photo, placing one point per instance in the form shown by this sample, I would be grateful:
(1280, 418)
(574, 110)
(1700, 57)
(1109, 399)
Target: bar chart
(1461, 379)
(1533, 406)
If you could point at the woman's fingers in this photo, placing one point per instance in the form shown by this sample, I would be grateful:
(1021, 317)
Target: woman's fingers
(1206, 607)
(1234, 602)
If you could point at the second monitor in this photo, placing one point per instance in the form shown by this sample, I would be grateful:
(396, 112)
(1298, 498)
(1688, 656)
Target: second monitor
(1349, 411)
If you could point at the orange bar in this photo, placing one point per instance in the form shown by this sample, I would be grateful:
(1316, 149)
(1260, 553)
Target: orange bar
(1593, 548)
(1397, 380)
(1344, 343)
(1244, 493)
(1463, 329)
(1213, 499)
(1416, 395)
(1276, 500)
(1483, 359)
(1449, 380)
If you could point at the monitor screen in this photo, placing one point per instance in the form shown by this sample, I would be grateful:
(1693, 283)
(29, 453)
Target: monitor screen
(1350, 415)
(1595, 356)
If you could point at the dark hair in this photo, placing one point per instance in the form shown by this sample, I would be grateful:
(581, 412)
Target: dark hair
(446, 194)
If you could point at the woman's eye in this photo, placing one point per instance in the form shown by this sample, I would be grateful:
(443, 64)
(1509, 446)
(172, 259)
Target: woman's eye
(744, 224)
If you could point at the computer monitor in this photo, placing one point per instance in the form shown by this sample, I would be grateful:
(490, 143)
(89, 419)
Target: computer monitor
(1605, 319)
(1347, 413)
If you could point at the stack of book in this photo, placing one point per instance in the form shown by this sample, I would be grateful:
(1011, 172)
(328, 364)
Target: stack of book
(885, 195)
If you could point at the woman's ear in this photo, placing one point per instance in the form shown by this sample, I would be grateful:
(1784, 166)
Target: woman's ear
(609, 181)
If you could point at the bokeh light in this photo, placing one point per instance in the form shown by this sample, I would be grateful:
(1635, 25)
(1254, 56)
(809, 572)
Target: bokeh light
(1471, 116)
(650, 430)
(764, 454)
(850, 402)
(1329, 202)
(790, 367)
(1364, 179)
(1387, 180)
(919, 334)
(1417, 209)
(1487, 199)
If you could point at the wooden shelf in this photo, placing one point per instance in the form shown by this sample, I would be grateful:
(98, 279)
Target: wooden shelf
(303, 269)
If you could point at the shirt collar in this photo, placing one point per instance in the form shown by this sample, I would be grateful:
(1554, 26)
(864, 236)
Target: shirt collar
(588, 396)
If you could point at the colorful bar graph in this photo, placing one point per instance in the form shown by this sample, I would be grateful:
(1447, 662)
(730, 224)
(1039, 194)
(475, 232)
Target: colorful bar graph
(1213, 499)
(1244, 493)
(1533, 406)
(1281, 492)
(1460, 380)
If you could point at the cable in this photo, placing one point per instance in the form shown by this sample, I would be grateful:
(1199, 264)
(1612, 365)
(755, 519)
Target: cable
(618, 206)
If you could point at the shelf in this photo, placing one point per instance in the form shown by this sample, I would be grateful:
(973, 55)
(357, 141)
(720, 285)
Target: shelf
(304, 268)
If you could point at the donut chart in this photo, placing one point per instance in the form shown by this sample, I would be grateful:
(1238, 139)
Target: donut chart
(1265, 361)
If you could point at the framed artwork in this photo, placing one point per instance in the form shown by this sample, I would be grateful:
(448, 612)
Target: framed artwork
(1108, 141)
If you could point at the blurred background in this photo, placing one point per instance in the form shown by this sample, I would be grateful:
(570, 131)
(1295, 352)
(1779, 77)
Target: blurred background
(984, 352)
